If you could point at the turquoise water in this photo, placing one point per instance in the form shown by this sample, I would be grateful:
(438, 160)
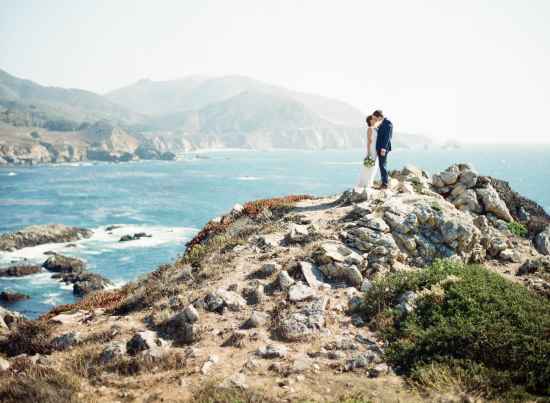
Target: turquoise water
(171, 200)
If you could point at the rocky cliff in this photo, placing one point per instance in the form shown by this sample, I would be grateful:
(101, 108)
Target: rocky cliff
(434, 290)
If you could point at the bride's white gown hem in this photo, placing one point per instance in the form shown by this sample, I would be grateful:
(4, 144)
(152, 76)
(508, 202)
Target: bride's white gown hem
(366, 179)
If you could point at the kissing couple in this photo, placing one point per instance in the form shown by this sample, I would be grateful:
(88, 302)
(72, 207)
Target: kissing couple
(379, 134)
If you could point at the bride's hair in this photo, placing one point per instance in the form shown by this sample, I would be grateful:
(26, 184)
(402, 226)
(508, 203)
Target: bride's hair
(369, 120)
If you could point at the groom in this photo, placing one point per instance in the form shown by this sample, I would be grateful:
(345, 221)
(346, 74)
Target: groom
(383, 145)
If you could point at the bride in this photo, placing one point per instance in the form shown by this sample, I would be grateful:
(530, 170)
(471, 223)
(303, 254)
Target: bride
(366, 178)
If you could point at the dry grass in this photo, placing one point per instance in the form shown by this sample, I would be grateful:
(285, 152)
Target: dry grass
(30, 337)
(86, 363)
(34, 383)
(103, 299)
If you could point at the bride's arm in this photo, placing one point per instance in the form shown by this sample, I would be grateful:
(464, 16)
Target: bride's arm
(369, 139)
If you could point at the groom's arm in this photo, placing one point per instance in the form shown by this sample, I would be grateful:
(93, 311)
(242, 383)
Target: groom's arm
(387, 131)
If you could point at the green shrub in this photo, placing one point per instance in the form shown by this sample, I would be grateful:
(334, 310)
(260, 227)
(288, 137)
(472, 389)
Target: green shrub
(490, 331)
(517, 229)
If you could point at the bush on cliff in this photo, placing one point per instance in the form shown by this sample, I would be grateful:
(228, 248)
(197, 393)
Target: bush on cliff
(469, 325)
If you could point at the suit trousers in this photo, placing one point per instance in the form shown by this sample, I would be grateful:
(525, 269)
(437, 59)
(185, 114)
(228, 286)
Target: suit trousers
(383, 164)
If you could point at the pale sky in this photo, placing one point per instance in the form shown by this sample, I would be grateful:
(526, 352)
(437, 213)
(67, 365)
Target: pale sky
(475, 70)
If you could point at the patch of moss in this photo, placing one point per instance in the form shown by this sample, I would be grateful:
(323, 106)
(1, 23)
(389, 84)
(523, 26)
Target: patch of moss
(518, 229)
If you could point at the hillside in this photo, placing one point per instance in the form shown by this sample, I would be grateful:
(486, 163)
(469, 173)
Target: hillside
(193, 93)
(434, 290)
(31, 104)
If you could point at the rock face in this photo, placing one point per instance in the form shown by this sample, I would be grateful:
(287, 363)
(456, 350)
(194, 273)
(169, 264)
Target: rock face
(42, 234)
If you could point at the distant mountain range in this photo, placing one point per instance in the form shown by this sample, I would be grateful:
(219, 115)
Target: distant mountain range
(159, 119)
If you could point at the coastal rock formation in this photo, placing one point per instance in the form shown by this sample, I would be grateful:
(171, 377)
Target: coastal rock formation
(71, 270)
(11, 297)
(42, 234)
(64, 264)
(20, 271)
(308, 298)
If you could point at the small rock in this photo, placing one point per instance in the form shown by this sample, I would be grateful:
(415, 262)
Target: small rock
(144, 340)
(267, 270)
(191, 314)
(297, 234)
(379, 370)
(66, 341)
(314, 277)
(366, 285)
(284, 280)
(257, 319)
(510, 255)
(4, 364)
(300, 292)
(112, 351)
(236, 381)
(272, 351)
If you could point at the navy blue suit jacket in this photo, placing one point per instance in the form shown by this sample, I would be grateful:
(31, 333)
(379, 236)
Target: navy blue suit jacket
(383, 140)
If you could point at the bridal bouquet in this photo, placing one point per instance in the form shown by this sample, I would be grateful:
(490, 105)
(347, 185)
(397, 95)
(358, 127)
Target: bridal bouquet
(369, 162)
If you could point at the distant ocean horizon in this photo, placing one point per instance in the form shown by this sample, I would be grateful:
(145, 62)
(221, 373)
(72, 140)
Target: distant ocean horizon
(173, 200)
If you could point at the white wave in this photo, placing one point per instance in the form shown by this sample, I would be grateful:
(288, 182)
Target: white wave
(343, 163)
(100, 242)
(12, 174)
(117, 283)
(248, 178)
(52, 298)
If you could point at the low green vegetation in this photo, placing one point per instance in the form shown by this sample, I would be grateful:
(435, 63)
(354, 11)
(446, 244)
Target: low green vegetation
(436, 207)
(469, 327)
(518, 229)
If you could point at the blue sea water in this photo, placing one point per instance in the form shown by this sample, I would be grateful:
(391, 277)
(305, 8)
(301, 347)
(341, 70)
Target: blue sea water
(172, 200)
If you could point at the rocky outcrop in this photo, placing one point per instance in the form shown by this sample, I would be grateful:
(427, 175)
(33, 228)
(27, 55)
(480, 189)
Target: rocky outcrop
(42, 234)
(64, 264)
(71, 270)
(11, 297)
(20, 271)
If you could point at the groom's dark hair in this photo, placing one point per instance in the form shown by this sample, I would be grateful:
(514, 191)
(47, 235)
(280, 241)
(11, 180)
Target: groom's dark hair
(378, 113)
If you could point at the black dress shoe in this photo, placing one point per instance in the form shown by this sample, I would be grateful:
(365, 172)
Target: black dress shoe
(383, 186)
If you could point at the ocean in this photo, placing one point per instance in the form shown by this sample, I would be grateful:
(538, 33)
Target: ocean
(173, 200)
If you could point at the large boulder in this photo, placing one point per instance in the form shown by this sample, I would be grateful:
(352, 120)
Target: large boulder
(303, 323)
(42, 234)
(64, 264)
(542, 241)
(492, 203)
(86, 283)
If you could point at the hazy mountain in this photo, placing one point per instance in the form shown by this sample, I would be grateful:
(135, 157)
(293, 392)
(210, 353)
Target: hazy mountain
(193, 93)
(26, 103)
(156, 119)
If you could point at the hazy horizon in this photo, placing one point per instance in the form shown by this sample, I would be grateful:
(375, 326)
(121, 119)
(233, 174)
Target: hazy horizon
(475, 71)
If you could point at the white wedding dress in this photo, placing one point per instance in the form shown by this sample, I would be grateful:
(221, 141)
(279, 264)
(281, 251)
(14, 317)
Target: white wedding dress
(366, 179)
